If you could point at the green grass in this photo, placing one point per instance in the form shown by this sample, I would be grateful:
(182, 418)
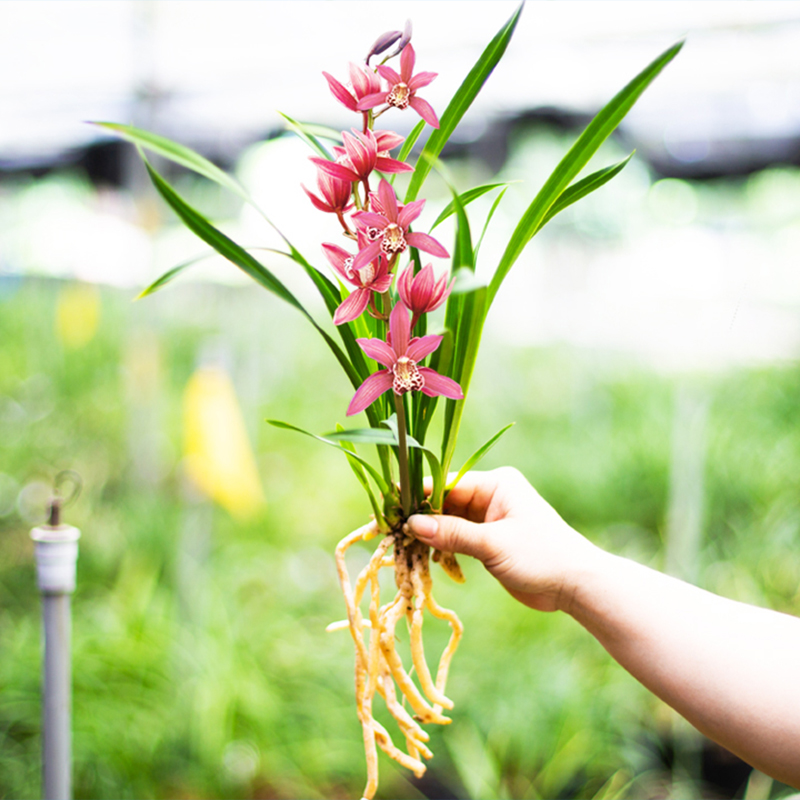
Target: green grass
(201, 666)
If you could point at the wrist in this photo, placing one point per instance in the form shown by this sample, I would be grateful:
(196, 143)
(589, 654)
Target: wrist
(585, 580)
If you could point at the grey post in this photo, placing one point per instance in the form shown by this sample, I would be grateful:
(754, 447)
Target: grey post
(56, 557)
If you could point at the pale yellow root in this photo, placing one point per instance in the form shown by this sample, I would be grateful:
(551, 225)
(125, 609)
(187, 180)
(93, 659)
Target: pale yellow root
(407, 724)
(388, 747)
(417, 650)
(452, 645)
(353, 613)
(378, 665)
(388, 623)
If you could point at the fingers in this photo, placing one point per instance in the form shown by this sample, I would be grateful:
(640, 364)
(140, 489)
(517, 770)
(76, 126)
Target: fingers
(451, 534)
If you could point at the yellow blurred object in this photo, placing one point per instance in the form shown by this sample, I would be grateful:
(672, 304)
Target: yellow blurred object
(77, 314)
(219, 459)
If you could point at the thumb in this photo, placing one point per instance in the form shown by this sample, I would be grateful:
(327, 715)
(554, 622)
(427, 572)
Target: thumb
(450, 534)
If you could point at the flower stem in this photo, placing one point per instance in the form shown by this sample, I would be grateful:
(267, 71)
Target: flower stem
(402, 456)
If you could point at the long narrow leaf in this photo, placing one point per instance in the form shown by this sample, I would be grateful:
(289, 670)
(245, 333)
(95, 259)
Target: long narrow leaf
(583, 187)
(466, 198)
(303, 131)
(598, 130)
(476, 457)
(410, 141)
(488, 220)
(178, 153)
(361, 476)
(461, 101)
(171, 274)
(336, 441)
(226, 247)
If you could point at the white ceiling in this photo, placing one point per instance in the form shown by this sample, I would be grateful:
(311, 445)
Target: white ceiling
(222, 69)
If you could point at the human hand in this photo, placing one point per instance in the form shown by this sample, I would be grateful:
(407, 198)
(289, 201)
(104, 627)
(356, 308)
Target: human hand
(500, 519)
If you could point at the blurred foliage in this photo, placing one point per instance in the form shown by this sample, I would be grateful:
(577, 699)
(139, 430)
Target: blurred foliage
(201, 665)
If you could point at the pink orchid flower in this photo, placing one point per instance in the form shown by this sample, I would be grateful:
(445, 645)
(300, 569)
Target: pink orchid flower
(388, 230)
(420, 293)
(402, 90)
(363, 81)
(336, 194)
(375, 277)
(359, 158)
(401, 356)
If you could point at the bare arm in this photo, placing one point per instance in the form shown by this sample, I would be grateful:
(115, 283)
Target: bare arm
(731, 669)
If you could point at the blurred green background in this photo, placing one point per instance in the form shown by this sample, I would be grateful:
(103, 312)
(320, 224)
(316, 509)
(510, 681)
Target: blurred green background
(646, 347)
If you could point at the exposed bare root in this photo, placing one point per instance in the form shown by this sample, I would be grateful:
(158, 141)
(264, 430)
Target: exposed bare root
(378, 665)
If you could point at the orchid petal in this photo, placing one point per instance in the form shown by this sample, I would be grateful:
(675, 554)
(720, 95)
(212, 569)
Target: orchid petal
(381, 284)
(337, 259)
(423, 346)
(407, 59)
(424, 109)
(421, 79)
(387, 73)
(388, 140)
(336, 170)
(371, 100)
(409, 213)
(369, 391)
(426, 243)
(353, 306)
(404, 283)
(400, 328)
(422, 288)
(378, 350)
(318, 204)
(436, 384)
(371, 219)
(340, 92)
(392, 165)
(363, 257)
(388, 200)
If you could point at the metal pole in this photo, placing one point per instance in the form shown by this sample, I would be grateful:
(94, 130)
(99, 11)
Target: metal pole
(56, 559)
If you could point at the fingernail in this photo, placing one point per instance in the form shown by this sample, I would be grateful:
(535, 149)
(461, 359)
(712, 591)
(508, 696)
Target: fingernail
(423, 526)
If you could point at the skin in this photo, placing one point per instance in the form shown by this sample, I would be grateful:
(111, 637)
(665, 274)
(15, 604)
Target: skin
(731, 669)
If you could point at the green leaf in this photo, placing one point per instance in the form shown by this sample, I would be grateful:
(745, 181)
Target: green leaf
(468, 340)
(461, 101)
(488, 220)
(476, 457)
(178, 153)
(303, 131)
(173, 273)
(336, 440)
(361, 475)
(466, 198)
(582, 188)
(410, 141)
(226, 247)
(463, 255)
(598, 130)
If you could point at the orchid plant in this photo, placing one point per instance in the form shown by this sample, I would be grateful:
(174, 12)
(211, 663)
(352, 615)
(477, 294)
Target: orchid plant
(379, 302)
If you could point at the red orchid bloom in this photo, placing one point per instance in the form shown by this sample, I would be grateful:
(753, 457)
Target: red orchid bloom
(360, 157)
(401, 355)
(336, 194)
(363, 81)
(388, 230)
(402, 90)
(420, 293)
(374, 277)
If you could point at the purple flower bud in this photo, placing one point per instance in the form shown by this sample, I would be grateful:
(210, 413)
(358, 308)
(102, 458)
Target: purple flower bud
(383, 42)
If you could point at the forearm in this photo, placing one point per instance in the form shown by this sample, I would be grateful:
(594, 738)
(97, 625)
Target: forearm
(731, 669)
